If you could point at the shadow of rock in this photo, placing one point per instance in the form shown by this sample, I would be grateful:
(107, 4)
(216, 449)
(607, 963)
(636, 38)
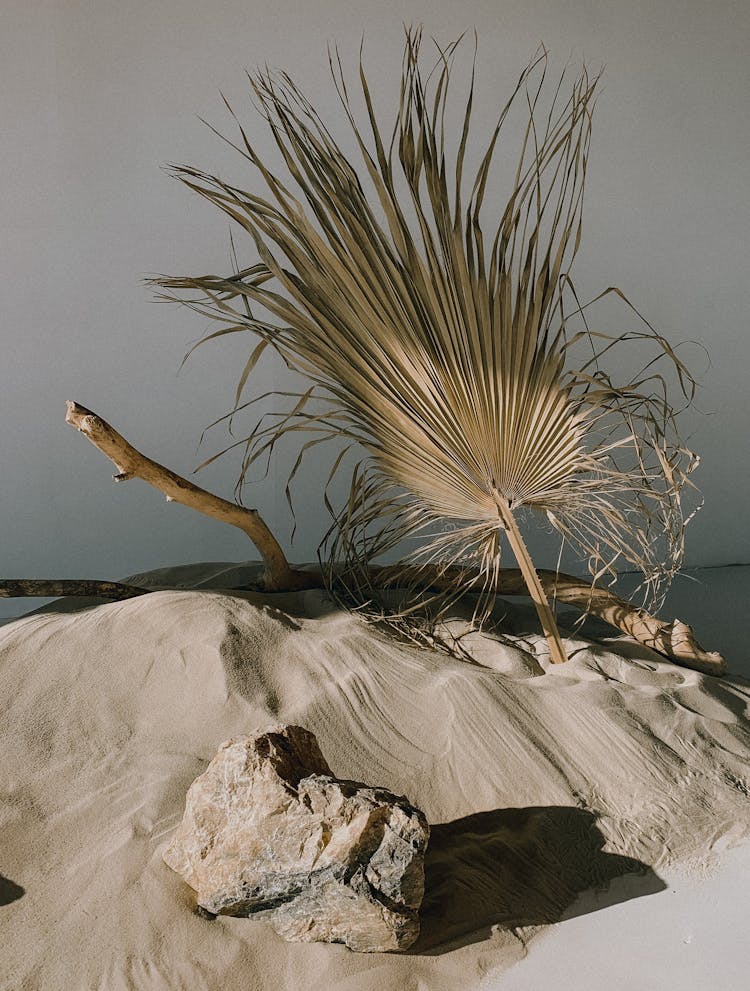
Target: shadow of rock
(518, 867)
(10, 891)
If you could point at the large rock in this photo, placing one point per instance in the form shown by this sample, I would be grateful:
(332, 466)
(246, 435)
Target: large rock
(269, 832)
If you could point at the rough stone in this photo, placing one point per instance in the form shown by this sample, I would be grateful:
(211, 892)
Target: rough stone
(269, 832)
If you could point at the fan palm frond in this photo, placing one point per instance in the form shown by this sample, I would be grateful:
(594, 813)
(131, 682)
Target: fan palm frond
(443, 351)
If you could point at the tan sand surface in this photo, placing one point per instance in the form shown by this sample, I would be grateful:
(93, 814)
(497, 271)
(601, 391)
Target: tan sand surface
(541, 781)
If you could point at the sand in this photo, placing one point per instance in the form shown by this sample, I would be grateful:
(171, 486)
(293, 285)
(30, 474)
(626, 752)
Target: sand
(540, 781)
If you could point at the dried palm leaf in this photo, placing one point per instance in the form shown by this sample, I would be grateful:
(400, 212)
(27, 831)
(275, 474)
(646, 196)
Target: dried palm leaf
(446, 354)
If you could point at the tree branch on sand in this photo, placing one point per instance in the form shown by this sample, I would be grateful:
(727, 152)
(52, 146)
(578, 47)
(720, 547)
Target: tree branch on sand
(674, 640)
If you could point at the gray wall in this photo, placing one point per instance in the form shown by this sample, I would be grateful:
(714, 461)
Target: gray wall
(97, 95)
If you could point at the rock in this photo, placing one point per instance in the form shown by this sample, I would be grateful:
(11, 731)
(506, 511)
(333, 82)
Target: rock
(269, 832)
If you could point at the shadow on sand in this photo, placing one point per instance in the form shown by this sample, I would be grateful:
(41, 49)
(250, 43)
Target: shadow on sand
(10, 891)
(518, 867)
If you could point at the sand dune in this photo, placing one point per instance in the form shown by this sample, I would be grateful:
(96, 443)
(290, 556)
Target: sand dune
(541, 781)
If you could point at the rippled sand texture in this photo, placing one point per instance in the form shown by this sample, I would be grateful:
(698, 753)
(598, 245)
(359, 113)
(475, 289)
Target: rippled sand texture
(540, 781)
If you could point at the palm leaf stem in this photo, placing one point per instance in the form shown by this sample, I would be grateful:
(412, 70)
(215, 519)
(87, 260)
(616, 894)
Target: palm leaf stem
(531, 578)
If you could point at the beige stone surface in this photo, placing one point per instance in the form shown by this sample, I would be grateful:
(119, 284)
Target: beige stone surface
(269, 832)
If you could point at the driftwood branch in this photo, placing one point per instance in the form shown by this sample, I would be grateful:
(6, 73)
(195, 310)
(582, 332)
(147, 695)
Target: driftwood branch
(17, 587)
(130, 463)
(673, 640)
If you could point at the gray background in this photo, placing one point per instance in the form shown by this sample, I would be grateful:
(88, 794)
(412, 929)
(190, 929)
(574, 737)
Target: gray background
(96, 96)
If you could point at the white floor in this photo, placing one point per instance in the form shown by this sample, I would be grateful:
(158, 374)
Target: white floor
(693, 936)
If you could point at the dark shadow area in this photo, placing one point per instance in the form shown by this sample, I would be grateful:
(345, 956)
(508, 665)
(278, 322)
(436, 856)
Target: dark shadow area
(518, 867)
(10, 891)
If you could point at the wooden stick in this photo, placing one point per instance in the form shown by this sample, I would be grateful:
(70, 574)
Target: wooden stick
(130, 463)
(674, 640)
(17, 587)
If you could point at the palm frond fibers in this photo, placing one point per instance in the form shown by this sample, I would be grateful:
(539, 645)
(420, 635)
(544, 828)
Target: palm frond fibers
(442, 347)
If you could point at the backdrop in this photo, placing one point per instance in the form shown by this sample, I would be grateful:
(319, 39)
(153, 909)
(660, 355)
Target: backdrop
(96, 97)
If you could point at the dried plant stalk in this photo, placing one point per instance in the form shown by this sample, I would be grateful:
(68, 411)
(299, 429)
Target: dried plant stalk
(448, 354)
